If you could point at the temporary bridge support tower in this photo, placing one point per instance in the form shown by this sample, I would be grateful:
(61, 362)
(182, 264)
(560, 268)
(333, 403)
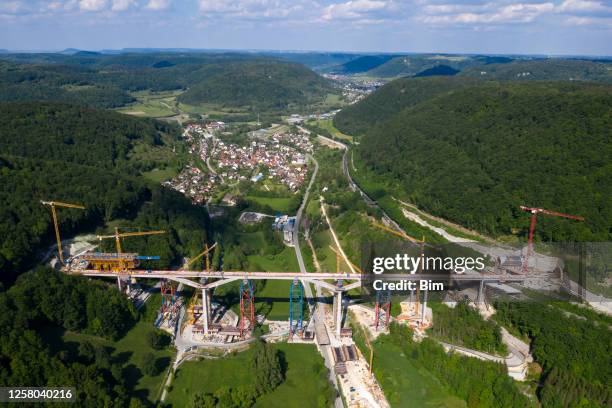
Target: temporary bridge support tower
(296, 308)
(168, 292)
(247, 307)
(382, 309)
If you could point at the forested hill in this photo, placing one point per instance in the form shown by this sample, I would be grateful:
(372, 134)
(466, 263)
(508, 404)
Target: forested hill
(544, 70)
(260, 84)
(60, 132)
(391, 98)
(106, 81)
(362, 64)
(474, 153)
(60, 152)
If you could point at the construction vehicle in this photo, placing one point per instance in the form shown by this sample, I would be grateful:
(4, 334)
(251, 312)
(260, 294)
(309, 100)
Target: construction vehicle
(54, 204)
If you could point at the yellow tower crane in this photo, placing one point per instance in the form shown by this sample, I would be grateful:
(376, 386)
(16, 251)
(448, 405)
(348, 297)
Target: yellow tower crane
(192, 302)
(207, 249)
(117, 236)
(54, 204)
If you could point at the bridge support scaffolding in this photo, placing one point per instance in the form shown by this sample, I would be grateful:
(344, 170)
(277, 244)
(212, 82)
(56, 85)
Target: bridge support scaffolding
(296, 308)
(382, 308)
(247, 307)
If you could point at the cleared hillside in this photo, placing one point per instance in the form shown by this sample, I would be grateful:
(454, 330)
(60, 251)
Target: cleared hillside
(473, 154)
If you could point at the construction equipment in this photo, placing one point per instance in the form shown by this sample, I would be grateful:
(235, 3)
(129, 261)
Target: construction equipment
(119, 261)
(117, 236)
(296, 308)
(401, 234)
(247, 307)
(407, 237)
(115, 262)
(339, 261)
(382, 309)
(534, 214)
(54, 204)
(206, 250)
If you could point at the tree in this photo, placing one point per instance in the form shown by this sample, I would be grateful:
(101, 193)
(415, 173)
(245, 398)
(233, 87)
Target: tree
(203, 400)
(149, 365)
(158, 339)
(267, 368)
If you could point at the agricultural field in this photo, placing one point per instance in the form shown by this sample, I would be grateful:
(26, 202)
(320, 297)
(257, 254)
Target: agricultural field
(153, 104)
(328, 124)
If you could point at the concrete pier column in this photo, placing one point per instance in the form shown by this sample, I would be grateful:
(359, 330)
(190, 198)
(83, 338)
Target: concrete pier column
(424, 306)
(479, 299)
(119, 283)
(338, 312)
(205, 309)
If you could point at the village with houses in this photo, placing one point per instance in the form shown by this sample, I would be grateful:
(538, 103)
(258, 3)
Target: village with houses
(279, 154)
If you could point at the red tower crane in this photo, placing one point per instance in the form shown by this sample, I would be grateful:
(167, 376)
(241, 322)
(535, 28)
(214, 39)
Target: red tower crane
(534, 214)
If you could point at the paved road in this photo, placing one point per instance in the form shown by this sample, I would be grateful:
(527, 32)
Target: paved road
(316, 313)
(298, 219)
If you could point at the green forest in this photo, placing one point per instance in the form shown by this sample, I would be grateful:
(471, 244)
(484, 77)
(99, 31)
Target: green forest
(478, 383)
(45, 299)
(473, 153)
(258, 85)
(66, 153)
(463, 325)
(234, 81)
(574, 353)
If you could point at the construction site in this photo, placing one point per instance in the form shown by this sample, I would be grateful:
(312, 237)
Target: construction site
(189, 312)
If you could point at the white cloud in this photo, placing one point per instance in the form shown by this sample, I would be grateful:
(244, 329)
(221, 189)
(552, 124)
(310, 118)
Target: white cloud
(590, 22)
(92, 5)
(583, 6)
(120, 5)
(253, 9)
(488, 13)
(158, 4)
(353, 9)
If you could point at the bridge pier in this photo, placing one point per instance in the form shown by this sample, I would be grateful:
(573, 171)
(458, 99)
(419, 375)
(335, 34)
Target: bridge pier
(338, 303)
(424, 306)
(205, 309)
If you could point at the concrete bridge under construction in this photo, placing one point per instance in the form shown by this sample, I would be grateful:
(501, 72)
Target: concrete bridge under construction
(336, 283)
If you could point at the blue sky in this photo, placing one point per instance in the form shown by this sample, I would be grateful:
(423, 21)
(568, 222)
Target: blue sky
(575, 27)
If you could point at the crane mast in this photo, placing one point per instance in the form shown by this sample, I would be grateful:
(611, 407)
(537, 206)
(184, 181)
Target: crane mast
(54, 204)
(534, 214)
